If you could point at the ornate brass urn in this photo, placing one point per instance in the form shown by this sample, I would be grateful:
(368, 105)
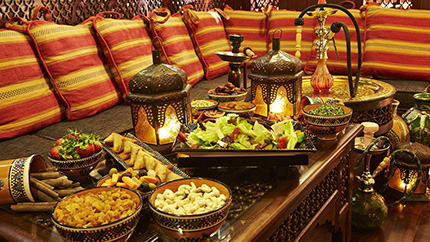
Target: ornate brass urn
(159, 97)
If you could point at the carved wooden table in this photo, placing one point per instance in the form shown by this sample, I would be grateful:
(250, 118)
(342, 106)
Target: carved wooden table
(301, 203)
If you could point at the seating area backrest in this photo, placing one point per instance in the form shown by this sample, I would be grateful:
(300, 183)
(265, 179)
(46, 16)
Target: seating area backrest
(84, 69)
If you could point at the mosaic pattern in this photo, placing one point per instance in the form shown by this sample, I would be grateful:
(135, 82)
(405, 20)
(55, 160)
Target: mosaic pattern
(107, 233)
(199, 223)
(77, 164)
(400, 4)
(16, 178)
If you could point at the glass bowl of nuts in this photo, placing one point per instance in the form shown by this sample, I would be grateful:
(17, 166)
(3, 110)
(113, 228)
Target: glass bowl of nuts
(191, 208)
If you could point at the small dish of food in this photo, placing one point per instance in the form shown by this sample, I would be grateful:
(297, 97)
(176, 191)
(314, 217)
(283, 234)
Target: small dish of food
(190, 209)
(98, 214)
(237, 107)
(76, 154)
(141, 180)
(199, 105)
(228, 93)
(327, 120)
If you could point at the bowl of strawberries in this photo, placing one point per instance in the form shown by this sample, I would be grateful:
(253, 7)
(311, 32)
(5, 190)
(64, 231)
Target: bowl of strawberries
(76, 154)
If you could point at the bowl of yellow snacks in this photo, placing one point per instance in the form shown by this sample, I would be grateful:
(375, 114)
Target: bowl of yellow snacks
(98, 214)
(199, 105)
(190, 209)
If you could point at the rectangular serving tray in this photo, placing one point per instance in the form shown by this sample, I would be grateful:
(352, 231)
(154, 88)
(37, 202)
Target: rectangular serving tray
(158, 156)
(188, 157)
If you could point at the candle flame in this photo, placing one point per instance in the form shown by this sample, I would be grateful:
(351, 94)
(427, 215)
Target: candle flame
(170, 129)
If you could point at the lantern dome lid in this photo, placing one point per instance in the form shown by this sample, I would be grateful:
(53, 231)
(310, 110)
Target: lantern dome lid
(276, 63)
(158, 78)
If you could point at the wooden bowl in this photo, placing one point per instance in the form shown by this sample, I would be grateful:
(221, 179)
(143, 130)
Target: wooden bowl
(190, 227)
(80, 168)
(326, 127)
(119, 230)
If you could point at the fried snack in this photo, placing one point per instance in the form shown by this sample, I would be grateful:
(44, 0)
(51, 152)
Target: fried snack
(137, 157)
(161, 171)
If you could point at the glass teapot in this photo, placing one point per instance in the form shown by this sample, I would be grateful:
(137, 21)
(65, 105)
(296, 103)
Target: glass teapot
(369, 210)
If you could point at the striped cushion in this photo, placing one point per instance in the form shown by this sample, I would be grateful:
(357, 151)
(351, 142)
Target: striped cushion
(209, 37)
(177, 46)
(339, 67)
(284, 20)
(73, 60)
(252, 25)
(27, 101)
(397, 43)
(126, 45)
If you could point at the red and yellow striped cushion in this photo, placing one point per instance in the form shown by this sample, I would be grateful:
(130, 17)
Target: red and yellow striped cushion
(73, 61)
(284, 20)
(339, 67)
(126, 45)
(397, 43)
(27, 101)
(177, 46)
(252, 25)
(209, 37)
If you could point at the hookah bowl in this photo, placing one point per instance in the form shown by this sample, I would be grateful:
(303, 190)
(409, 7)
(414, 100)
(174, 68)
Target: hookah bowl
(234, 58)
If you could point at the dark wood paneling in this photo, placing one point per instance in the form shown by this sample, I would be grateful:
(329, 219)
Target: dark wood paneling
(287, 4)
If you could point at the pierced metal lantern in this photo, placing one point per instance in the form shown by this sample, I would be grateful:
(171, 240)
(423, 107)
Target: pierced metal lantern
(160, 102)
(276, 82)
(406, 174)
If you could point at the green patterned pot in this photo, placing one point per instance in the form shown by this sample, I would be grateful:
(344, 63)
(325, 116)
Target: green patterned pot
(418, 119)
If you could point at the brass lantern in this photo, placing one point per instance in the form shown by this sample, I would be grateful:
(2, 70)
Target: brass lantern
(160, 102)
(276, 82)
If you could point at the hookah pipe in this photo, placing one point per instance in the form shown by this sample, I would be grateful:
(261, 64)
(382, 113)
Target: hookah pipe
(335, 28)
(367, 179)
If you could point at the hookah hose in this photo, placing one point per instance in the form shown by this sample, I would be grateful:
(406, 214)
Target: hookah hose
(335, 28)
(300, 22)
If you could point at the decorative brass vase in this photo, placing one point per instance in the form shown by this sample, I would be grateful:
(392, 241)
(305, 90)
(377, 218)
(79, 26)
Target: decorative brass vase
(399, 133)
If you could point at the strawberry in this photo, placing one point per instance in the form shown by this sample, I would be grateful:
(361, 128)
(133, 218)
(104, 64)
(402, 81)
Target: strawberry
(97, 148)
(85, 150)
(72, 134)
(55, 153)
(59, 141)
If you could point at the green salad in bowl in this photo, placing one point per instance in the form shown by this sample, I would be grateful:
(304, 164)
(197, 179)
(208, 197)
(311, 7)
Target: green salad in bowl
(234, 132)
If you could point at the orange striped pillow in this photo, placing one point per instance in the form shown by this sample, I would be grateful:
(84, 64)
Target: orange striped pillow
(177, 45)
(252, 25)
(208, 34)
(397, 43)
(73, 61)
(339, 67)
(127, 46)
(284, 20)
(27, 101)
